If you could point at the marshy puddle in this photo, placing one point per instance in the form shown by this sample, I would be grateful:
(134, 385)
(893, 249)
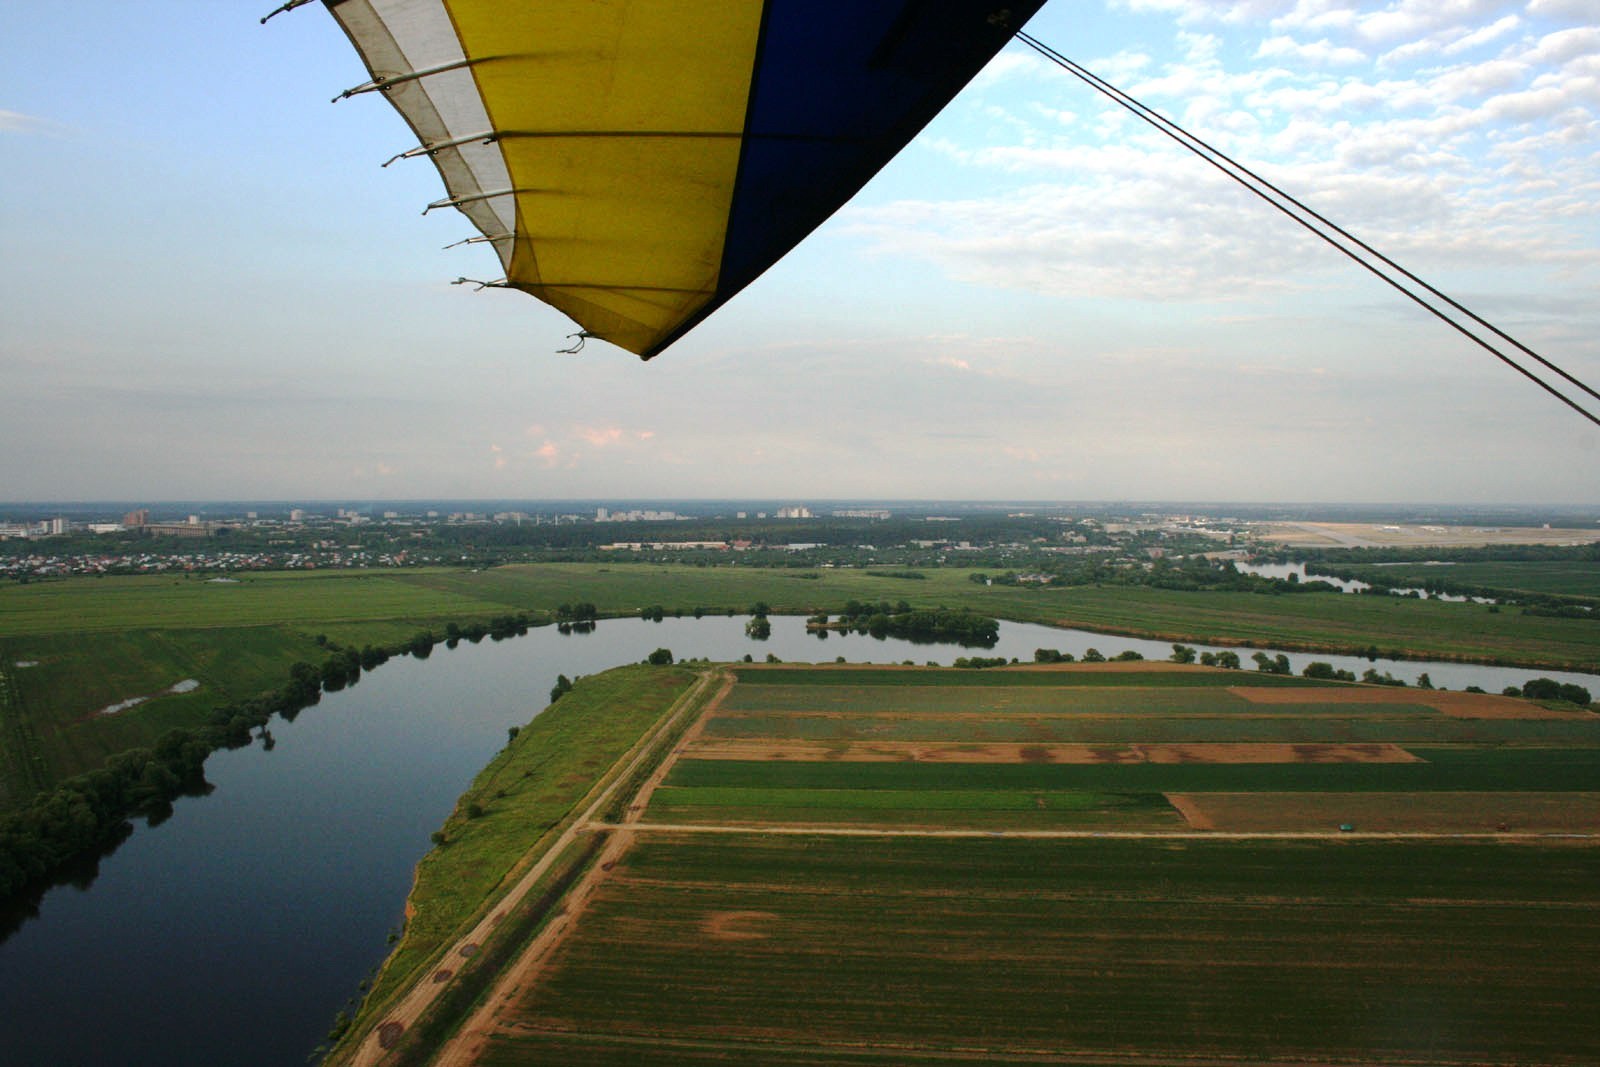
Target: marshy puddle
(188, 685)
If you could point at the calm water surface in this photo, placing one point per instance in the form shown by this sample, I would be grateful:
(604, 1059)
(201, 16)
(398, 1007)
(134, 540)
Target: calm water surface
(232, 932)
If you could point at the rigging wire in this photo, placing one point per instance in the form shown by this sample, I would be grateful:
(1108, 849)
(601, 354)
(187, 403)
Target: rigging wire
(1289, 205)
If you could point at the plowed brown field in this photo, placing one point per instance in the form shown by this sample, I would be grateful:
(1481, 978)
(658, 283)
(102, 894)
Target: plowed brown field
(968, 752)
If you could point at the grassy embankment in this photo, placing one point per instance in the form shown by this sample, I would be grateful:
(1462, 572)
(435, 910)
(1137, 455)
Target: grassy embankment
(754, 947)
(100, 641)
(514, 811)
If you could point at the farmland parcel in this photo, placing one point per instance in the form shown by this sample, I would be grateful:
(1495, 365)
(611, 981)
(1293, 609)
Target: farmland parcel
(1084, 866)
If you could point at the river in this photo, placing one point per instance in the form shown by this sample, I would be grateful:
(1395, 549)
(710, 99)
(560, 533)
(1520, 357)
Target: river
(234, 931)
(1348, 585)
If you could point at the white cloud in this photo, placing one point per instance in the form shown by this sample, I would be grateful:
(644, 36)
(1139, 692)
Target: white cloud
(17, 122)
(1323, 52)
(1474, 38)
(1471, 164)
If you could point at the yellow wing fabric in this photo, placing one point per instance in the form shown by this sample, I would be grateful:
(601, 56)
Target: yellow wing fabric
(635, 163)
(623, 186)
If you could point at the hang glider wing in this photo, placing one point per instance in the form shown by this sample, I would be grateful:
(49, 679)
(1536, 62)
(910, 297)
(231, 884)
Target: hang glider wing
(635, 163)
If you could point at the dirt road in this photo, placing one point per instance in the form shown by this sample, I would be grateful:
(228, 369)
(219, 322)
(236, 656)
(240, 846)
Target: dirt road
(376, 1044)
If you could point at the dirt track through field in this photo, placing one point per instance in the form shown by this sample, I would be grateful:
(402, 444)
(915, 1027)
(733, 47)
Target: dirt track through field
(375, 1046)
(469, 1041)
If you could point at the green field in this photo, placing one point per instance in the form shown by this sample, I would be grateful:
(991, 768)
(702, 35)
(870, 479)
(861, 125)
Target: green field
(975, 808)
(1562, 578)
(325, 599)
(1415, 629)
(886, 682)
(297, 598)
(986, 692)
(100, 641)
(1453, 768)
(821, 950)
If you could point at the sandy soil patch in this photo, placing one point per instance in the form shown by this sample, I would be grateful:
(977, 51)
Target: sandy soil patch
(737, 925)
(1192, 812)
(1393, 812)
(773, 749)
(1454, 704)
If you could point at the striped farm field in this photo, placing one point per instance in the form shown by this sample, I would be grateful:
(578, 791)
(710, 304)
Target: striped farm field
(793, 746)
(933, 867)
(1305, 725)
(810, 950)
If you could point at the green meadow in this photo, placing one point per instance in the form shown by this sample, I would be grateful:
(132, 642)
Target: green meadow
(97, 642)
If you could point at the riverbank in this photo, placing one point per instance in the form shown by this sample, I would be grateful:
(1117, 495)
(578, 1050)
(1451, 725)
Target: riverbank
(92, 643)
(516, 813)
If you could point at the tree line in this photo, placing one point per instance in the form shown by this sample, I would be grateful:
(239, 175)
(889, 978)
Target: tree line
(88, 815)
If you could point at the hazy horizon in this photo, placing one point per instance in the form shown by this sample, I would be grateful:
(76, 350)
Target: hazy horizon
(709, 505)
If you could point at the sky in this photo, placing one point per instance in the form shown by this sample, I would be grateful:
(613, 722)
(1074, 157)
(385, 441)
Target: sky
(211, 290)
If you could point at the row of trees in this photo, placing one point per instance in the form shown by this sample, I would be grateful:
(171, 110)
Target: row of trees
(1090, 655)
(962, 626)
(1186, 654)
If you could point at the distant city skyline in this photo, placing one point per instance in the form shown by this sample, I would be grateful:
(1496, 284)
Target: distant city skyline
(800, 509)
(215, 292)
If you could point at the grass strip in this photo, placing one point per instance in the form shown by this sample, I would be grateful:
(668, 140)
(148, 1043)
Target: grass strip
(1444, 768)
(523, 797)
